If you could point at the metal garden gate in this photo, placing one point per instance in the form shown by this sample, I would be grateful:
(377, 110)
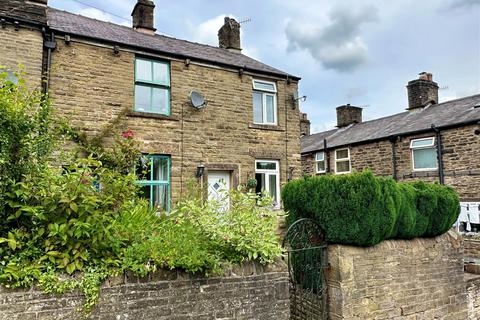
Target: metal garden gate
(307, 260)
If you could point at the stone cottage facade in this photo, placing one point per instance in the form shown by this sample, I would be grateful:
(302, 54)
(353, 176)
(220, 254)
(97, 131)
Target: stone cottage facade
(96, 71)
(430, 141)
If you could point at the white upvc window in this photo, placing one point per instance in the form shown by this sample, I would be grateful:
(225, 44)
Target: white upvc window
(424, 154)
(342, 161)
(320, 162)
(264, 102)
(267, 174)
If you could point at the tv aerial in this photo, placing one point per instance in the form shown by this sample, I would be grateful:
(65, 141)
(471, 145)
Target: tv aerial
(197, 99)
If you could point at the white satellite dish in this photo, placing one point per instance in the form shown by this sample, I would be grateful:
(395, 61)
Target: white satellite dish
(197, 99)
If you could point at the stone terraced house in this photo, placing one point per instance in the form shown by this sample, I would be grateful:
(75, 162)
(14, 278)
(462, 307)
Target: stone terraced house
(430, 141)
(95, 71)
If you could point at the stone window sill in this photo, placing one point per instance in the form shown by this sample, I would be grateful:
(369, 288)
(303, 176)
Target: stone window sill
(151, 115)
(265, 127)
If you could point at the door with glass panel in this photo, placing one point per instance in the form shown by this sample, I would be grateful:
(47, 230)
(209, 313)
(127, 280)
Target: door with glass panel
(218, 186)
(267, 174)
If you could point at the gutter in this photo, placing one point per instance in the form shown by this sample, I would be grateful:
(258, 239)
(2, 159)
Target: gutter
(31, 23)
(441, 174)
(144, 50)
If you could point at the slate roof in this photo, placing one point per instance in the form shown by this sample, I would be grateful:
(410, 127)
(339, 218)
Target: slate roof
(444, 114)
(20, 10)
(74, 24)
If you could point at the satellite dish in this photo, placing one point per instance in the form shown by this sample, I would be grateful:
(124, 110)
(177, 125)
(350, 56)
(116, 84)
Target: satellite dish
(197, 99)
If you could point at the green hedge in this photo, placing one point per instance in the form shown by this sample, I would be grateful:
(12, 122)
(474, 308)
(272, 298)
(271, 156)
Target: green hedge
(361, 209)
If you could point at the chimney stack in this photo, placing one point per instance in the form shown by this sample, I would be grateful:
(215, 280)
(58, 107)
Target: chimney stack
(229, 35)
(142, 14)
(347, 115)
(422, 91)
(304, 125)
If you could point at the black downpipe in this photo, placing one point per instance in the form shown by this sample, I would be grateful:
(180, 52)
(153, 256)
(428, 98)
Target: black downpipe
(441, 175)
(50, 44)
(327, 156)
(393, 141)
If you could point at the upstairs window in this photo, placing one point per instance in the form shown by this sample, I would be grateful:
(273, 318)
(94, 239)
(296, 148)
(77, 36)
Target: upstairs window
(264, 102)
(153, 172)
(152, 86)
(267, 174)
(424, 154)
(320, 162)
(342, 161)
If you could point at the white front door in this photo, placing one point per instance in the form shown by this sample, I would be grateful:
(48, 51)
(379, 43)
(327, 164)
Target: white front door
(218, 186)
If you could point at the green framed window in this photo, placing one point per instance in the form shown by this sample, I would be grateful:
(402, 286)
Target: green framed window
(152, 86)
(153, 172)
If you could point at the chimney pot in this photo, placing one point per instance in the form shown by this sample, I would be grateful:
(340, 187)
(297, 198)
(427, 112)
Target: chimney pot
(229, 35)
(347, 115)
(143, 17)
(422, 91)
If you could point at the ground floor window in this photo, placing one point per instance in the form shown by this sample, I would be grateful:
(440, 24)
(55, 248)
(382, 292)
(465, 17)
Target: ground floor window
(267, 174)
(154, 177)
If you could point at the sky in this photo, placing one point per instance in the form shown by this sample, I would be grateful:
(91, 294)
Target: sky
(361, 52)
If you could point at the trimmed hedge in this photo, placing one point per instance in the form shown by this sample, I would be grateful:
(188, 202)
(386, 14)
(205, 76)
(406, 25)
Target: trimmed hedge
(361, 209)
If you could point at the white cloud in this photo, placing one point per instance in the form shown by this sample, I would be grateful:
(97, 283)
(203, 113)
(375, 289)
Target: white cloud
(207, 31)
(338, 45)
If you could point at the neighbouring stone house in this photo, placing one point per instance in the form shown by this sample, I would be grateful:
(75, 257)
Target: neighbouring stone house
(430, 141)
(95, 71)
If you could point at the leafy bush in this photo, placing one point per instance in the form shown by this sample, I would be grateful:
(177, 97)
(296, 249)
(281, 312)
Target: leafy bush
(71, 227)
(246, 230)
(361, 209)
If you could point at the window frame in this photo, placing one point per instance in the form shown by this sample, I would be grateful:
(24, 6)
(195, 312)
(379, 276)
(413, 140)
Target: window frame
(269, 172)
(265, 92)
(153, 183)
(337, 160)
(431, 146)
(318, 161)
(153, 84)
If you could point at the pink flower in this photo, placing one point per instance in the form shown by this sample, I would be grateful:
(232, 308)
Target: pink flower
(127, 134)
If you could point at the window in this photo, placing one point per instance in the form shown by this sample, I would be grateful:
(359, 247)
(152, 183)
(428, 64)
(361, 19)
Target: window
(154, 174)
(320, 162)
(424, 154)
(152, 86)
(264, 102)
(267, 176)
(342, 161)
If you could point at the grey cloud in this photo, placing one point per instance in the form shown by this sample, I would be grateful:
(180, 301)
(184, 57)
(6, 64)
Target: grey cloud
(463, 4)
(337, 46)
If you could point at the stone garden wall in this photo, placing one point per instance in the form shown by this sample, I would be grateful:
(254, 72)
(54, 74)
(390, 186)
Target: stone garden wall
(250, 291)
(400, 279)
(472, 248)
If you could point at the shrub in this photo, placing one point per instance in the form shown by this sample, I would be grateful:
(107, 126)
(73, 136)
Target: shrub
(70, 228)
(361, 209)
(246, 230)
